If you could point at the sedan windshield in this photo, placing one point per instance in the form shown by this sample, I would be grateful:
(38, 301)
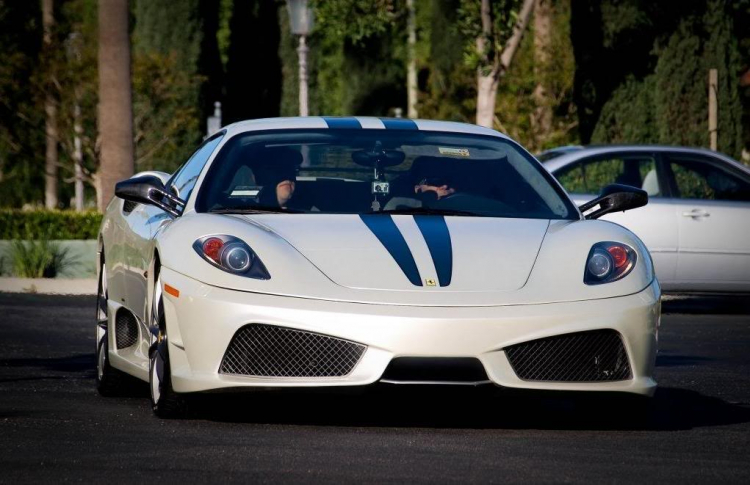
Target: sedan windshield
(379, 171)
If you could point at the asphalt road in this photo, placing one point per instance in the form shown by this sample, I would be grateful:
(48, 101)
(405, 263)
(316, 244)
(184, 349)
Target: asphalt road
(54, 427)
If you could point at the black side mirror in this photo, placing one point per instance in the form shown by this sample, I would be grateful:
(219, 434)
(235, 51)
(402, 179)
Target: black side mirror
(148, 189)
(615, 198)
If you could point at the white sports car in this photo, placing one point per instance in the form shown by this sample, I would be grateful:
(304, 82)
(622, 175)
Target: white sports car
(321, 251)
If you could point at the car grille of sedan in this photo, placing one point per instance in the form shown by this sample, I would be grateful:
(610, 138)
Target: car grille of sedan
(271, 351)
(594, 356)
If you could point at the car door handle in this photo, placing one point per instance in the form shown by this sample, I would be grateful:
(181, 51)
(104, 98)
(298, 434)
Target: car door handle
(696, 214)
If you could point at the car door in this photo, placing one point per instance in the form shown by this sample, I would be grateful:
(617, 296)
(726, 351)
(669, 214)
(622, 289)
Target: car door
(712, 200)
(655, 224)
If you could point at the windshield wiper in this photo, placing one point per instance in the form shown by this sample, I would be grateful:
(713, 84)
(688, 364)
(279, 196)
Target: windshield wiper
(254, 210)
(428, 211)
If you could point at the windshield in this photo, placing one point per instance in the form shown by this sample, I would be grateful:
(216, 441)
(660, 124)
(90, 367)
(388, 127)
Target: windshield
(379, 171)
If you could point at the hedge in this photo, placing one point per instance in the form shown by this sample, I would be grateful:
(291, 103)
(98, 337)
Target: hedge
(45, 224)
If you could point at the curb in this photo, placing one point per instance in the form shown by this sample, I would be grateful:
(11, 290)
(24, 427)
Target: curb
(49, 286)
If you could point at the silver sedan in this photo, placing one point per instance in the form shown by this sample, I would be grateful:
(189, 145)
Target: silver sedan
(697, 222)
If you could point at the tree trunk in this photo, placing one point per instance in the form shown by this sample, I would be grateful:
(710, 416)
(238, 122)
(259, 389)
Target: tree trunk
(496, 63)
(542, 43)
(115, 99)
(50, 111)
(411, 74)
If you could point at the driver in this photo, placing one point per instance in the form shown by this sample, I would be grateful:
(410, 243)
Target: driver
(439, 187)
(278, 176)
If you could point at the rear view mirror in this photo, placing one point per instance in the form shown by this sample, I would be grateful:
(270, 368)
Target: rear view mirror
(615, 198)
(148, 189)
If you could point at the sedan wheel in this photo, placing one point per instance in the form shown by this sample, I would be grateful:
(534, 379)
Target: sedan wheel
(109, 381)
(165, 402)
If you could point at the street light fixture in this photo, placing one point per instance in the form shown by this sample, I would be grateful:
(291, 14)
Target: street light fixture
(301, 20)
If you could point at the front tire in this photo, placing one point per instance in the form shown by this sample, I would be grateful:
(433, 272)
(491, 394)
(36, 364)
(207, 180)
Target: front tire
(165, 402)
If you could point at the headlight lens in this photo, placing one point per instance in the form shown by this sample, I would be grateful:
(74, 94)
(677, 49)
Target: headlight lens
(232, 255)
(607, 262)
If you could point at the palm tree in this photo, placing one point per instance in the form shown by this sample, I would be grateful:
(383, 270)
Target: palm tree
(115, 99)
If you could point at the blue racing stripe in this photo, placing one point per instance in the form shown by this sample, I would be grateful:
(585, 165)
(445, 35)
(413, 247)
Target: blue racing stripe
(384, 228)
(398, 124)
(438, 239)
(340, 123)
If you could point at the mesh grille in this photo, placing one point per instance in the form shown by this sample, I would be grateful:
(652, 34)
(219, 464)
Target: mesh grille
(271, 351)
(596, 356)
(126, 330)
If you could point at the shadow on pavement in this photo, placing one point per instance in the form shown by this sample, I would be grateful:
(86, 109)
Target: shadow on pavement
(670, 409)
(707, 304)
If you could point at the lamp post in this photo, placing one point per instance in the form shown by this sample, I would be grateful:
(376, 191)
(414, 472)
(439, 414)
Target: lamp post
(301, 22)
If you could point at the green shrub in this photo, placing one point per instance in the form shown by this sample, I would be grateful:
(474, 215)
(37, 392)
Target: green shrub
(50, 225)
(39, 259)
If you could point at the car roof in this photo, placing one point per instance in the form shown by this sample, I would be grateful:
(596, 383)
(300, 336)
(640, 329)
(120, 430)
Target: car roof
(571, 157)
(365, 122)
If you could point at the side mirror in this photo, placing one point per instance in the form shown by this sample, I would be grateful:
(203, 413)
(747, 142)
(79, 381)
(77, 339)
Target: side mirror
(148, 189)
(615, 198)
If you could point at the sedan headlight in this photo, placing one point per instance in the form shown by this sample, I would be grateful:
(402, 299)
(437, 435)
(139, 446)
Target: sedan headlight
(232, 255)
(608, 262)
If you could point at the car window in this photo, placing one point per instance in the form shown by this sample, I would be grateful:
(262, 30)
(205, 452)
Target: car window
(344, 172)
(183, 181)
(701, 180)
(591, 176)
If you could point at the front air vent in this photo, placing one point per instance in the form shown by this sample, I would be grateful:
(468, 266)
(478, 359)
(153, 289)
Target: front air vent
(594, 356)
(270, 351)
(126, 329)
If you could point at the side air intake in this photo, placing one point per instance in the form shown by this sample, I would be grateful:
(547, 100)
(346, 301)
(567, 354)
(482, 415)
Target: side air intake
(594, 356)
(126, 329)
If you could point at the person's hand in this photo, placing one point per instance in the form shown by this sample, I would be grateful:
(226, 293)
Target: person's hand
(441, 191)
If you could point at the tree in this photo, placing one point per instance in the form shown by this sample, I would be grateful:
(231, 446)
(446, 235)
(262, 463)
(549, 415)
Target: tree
(21, 105)
(50, 110)
(115, 98)
(497, 27)
(253, 79)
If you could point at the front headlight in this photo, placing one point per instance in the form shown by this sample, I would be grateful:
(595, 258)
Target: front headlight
(607, 262)
(232, 255)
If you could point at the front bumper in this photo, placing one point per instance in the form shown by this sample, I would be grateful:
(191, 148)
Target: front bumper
(203, 319)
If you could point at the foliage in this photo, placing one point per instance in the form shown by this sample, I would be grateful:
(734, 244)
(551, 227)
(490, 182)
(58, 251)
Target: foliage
(670, 105)
(54, 225)
(357, 20)
(39, 259)
(629, 115)
(166, 82)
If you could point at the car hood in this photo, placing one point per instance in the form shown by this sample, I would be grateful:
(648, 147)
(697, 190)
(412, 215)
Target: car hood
(411, 253)
(408, 260)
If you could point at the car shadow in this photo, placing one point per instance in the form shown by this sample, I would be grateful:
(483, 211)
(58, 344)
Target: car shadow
(709, 304)
(671, 409)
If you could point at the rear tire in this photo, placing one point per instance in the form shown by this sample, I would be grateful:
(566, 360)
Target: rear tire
(109, 381)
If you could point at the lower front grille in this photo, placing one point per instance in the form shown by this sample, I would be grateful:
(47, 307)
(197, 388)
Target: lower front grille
(126, 329)
(594, 356)
(445, 370)
(270, 351)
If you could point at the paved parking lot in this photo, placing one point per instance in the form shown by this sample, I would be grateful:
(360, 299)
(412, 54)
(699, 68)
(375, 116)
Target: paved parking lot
(54, 427)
